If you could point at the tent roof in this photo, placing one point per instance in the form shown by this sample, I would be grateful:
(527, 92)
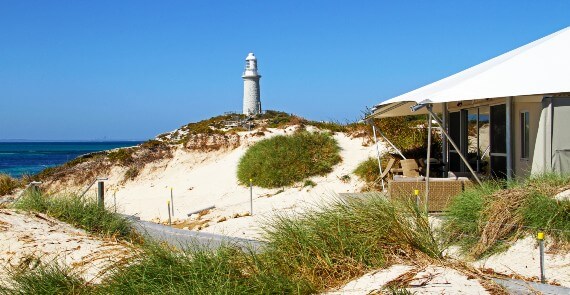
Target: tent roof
(540, 67)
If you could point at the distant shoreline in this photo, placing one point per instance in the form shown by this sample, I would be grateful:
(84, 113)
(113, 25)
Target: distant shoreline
(69, 140)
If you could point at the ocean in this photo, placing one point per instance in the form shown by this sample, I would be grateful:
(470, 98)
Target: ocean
(20, 158)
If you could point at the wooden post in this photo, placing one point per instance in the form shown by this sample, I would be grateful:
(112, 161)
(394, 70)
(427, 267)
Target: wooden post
(101, 193)
(172, 201)
(251, 197)
(169, 217)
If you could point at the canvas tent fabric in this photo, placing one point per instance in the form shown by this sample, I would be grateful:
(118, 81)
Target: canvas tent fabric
(552, 148)
(540, 67)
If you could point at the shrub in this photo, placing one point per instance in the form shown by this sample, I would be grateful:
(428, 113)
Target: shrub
(368, 170)
(283, 160)
(409, 134)
(123, 156)
(80, 212)
(131, 173)
(8, 184)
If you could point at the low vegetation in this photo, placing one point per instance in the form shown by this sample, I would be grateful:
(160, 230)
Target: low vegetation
(8, 184)
(86, 168)
(302, 255)
(343, 240)
(284, 160)
(79, 212)
(369, 172)
(486, 219)
(409, 134)
(44, 279)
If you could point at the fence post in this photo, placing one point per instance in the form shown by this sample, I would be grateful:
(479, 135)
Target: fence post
(101, 193)
(169, 217)
(115, 200)
(172, 201)
(540, 237)
(251, 197)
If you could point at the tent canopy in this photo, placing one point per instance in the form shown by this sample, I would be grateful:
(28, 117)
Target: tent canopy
(540, 67)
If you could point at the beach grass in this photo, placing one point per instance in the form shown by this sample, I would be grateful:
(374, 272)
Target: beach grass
(300, 255)
(484, 220)
(340, 241)
(80, 212)
(8, 184)
(198, 270)
(44, 279)
(284, 160)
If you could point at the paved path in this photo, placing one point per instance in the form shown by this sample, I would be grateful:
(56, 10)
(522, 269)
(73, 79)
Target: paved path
(183, 237)
(522, 287)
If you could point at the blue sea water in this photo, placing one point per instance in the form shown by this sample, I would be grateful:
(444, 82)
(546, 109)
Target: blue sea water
(20, 158)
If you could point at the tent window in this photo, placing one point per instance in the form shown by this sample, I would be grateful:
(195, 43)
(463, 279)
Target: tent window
(525, 131)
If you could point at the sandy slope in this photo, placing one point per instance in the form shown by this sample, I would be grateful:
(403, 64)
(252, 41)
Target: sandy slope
(203, 179)
(27, 236)
(429, 280)
(523, 259)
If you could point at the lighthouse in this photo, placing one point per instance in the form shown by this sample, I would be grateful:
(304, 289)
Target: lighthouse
(251, 96)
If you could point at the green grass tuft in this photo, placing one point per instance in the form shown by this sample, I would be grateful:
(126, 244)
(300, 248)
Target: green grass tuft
(283, 160)
(545, 213)
(368, 170)
(44, 279)
(79, 212)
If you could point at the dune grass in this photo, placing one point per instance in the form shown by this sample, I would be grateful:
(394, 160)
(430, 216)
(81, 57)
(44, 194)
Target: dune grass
(45, 279)
(80, 212)
(284, 160)
(8, 184)
(340, 241)
(301, 255)
(483, 220)
(198, 270)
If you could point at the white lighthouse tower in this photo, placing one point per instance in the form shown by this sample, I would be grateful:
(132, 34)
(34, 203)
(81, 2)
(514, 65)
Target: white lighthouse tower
(251, 96)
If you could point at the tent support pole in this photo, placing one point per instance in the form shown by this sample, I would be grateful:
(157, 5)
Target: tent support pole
(509, 110)
(444, 145)
(391, 144)
(378, 156)
(428, 162)
(429, 108)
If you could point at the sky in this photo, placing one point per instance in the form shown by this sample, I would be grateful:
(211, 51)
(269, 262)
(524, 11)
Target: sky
(116, 70)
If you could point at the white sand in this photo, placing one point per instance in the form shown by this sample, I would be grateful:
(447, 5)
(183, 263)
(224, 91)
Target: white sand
(431, 280)
(202, 179)
(523, 258)
(25, 236)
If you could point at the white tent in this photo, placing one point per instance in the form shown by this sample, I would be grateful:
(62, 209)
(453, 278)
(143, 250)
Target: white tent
(532, 80)
(542, 66)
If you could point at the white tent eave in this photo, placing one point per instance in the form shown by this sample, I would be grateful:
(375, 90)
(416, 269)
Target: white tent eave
(540, 67)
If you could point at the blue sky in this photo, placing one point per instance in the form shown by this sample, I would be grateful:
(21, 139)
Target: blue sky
(133, 69)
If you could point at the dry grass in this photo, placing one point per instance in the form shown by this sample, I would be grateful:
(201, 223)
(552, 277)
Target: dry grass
(487, 219)
(501, 219)
(8, 184)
